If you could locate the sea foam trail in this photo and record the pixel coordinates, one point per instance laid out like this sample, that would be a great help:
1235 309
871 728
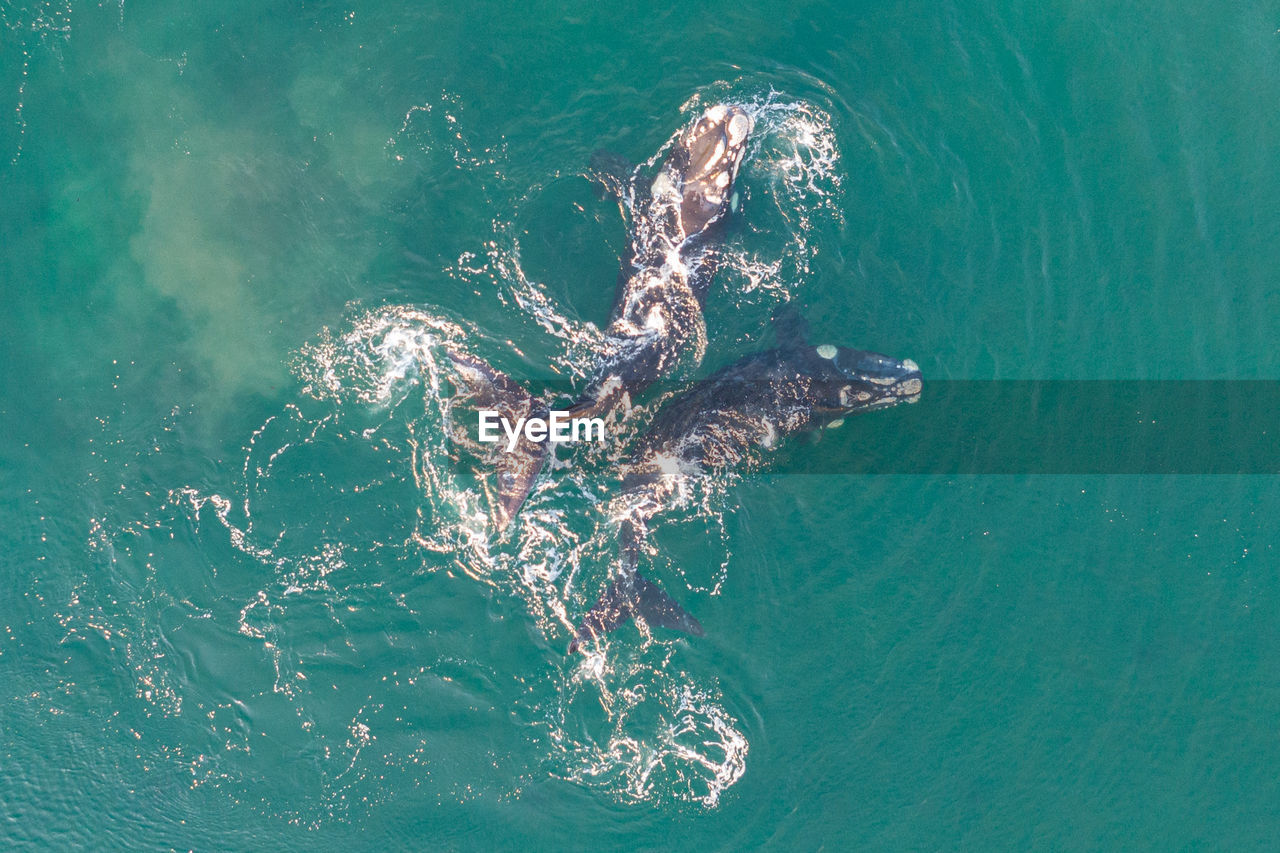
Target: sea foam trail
678 743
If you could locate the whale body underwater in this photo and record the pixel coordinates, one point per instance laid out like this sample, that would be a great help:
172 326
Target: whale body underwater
733 418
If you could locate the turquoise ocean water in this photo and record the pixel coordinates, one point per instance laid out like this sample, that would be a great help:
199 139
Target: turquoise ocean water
249 600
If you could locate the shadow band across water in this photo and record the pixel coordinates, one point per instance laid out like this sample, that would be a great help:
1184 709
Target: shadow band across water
1060 427
1051 427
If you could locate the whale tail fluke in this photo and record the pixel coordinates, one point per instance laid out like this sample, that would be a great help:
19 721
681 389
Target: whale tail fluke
516 470
630 595
626 599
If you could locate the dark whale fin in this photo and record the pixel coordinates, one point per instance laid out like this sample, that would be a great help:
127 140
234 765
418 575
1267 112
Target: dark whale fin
613 172
631 595
616 178
517 470
628 597
790 328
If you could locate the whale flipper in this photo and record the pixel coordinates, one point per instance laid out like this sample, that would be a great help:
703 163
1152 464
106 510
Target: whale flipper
628 597
613 172
517 470
789 327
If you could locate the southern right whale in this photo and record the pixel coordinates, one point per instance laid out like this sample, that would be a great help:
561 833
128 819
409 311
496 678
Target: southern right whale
732 419
656 322
657 310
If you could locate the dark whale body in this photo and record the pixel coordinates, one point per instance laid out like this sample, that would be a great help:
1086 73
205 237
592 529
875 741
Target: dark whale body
656 323
734 418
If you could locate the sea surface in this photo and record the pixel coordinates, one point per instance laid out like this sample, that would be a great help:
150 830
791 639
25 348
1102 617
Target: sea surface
250 598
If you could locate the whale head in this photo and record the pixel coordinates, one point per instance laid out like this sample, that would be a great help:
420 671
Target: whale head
704 166
849 381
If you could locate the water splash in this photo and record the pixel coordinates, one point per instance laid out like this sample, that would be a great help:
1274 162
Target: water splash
669 740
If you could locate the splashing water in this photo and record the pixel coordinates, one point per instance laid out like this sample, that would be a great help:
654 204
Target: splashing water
665 735
669 739
380 434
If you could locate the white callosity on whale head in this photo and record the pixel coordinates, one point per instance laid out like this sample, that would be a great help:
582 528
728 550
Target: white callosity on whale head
717 155
739 127
770 436
827 351
664 189
848 398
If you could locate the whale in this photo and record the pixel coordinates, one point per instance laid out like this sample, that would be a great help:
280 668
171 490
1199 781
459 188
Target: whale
657 311
656 324
732 420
